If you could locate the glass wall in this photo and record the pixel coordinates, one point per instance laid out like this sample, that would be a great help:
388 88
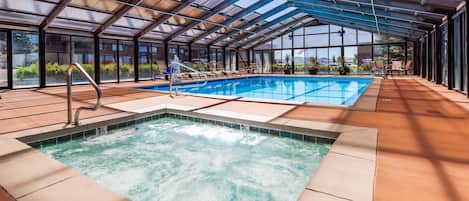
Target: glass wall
82 53
351 58
364 58
25 59
335 60
220 66
277 65
184 54
299 60
151 58
199 58
311 59
322 55
57 58
172 51
144 61
3 60
327 48
61 51
126 61
108 60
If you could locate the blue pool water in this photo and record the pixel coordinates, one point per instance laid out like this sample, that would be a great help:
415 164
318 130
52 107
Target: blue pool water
171 159
323 90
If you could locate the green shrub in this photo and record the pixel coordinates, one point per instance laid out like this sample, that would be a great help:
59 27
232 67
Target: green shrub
24 72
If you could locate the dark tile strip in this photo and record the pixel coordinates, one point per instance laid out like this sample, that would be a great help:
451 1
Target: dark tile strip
104 130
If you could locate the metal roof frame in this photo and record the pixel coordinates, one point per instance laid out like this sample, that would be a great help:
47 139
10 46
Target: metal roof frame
221 6
252 22
228 22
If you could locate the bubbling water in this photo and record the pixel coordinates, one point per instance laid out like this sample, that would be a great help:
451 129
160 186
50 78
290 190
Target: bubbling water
169 159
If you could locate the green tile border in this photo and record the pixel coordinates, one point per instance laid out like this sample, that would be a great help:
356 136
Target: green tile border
83 135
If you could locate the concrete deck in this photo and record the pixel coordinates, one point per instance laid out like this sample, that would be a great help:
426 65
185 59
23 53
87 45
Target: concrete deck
422 142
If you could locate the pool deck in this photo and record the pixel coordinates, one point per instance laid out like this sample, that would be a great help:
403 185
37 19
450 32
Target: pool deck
422 151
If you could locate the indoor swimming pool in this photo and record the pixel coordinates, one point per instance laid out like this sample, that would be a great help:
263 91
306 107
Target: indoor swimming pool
321 90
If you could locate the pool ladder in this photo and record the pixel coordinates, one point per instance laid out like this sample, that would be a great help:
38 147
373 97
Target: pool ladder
174 70
69 94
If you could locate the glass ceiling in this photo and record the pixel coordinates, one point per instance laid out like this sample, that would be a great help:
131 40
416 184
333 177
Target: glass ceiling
223 22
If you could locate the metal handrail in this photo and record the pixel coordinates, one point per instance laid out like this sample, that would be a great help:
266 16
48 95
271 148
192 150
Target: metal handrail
172 72
69 93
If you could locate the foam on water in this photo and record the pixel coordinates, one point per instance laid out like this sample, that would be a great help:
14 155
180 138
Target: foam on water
169 159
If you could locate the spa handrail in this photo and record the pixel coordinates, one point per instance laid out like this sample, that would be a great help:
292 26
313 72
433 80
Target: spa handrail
69 93
172 76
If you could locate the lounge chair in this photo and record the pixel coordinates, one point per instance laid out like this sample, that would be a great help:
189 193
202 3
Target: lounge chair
228 73
408 67
396 67
211 74
219 73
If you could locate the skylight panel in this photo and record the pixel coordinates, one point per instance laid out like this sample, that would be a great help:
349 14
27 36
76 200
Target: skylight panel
270 6
283 12
245 3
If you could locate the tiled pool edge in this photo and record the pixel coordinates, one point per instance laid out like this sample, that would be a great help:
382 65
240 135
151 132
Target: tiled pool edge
53 138
320 184
348 171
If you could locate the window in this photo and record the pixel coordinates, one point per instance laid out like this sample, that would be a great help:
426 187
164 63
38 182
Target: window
277 43
351 58
57 58
184 53
380 38
158 62
258 58
364 59
287 58
83 53
267 62
213 59
323 59
287 40
25 59
126 61
265 46
317 29
311 59
62 50
299 31
320 40
199 58
3 60
350 36
299 60
380 53
335 39
172 52
396 52
277 62
108 60
364 37
298 41
220 66
335 60
144 61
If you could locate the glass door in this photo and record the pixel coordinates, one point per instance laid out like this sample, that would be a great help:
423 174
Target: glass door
3 60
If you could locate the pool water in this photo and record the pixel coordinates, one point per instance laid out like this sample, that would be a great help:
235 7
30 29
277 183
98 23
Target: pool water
322 90
171 159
